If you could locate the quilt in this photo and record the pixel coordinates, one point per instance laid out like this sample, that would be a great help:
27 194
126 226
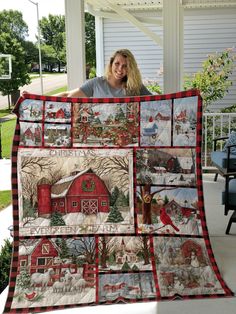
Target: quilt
108 203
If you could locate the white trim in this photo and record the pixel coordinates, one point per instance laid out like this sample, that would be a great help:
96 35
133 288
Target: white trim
115 16
173 45
75 43
99 46
129 17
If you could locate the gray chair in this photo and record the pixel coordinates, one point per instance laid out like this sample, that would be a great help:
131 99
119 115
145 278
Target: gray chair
229 198
224 161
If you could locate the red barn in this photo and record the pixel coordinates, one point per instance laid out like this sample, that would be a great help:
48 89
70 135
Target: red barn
38 255
29 134
56 114
83 192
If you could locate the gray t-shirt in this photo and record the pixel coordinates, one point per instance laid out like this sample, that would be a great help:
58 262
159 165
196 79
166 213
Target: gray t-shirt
99 87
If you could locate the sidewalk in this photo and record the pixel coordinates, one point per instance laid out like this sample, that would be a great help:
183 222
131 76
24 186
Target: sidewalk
6 218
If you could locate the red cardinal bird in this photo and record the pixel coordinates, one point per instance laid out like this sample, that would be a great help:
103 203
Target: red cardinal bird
166 220
30 296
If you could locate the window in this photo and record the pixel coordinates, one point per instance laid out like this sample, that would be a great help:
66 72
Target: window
54 204
45 248
41 261
61 204
74 204
23 263
104 203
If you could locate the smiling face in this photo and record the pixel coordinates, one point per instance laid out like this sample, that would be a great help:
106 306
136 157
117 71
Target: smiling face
119 67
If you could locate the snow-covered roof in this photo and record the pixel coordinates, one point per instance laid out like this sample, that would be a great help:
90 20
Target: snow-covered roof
61 187
28 247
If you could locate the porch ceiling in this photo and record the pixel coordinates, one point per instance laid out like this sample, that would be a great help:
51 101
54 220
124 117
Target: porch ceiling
149 5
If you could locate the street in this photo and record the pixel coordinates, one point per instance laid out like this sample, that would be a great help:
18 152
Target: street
50 82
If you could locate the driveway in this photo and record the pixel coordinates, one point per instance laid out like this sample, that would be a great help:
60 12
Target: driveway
50 82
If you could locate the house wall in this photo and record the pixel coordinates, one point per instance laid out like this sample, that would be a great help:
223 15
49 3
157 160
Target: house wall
205 31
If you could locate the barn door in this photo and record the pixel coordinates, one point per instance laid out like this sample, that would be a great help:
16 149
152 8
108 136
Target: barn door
89 207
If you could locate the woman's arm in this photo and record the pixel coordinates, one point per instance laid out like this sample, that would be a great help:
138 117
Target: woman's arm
77 92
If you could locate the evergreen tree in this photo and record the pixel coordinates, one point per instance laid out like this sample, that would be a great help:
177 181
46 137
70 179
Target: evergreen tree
120 116
121 199
126 267
166 200
57 219
114 215
114 196
135 267
64 250
23 280
5 262
112 258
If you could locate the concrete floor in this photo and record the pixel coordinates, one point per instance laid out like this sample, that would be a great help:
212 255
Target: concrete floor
224 249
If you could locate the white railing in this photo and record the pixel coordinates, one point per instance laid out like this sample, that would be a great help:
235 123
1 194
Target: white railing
215 125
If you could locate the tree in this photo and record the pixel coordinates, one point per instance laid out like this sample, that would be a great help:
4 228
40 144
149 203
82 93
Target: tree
12 33
90 39
5 262
114 196
114 215
11 22
105 247
85 247
64 250
57 219
125 267
31 53
53 35
23 280
144 248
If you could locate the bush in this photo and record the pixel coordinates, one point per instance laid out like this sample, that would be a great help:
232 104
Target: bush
5 263
213 80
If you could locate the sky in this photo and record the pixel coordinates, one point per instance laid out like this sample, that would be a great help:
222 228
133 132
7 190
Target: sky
29 11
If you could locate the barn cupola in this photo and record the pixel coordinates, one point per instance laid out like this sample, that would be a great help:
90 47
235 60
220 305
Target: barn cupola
44 198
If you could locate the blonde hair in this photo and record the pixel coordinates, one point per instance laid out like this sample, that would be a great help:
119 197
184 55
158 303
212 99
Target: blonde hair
133 81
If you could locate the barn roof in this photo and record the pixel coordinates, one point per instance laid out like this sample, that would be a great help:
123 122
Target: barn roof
28 247
61 187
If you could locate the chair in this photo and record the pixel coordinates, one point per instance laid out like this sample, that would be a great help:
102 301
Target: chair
224 161
229 198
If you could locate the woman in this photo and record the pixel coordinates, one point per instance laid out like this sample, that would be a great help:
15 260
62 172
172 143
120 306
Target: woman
122 78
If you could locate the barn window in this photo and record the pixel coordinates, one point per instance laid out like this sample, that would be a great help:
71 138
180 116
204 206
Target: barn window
74 204
54 204
23 263
61 204
45 248
104 203
41 261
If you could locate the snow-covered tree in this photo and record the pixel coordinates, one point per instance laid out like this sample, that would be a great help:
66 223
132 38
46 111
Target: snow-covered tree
115 215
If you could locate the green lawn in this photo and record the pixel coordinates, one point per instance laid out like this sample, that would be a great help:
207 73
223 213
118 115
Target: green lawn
4 112
7 133
5 199
56 91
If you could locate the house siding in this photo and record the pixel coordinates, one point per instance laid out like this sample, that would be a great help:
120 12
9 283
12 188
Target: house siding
122 34
205 31
208 31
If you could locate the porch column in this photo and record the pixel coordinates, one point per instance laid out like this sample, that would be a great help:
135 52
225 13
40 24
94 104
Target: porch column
99 46
75 43
172 45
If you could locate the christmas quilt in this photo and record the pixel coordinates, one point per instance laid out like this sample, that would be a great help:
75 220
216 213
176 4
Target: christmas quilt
108 203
